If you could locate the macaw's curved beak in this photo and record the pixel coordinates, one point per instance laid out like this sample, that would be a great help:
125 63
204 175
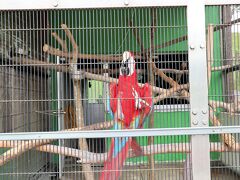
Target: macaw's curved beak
125 69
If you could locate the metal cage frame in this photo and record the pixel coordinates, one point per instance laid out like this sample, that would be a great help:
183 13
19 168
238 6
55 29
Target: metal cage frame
200 129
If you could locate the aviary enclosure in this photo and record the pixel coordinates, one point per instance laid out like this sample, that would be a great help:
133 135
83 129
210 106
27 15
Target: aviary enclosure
59 60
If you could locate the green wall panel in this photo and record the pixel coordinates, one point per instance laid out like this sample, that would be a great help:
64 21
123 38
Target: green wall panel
107 31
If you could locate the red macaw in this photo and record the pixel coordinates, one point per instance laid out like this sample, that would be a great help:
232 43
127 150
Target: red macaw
130 105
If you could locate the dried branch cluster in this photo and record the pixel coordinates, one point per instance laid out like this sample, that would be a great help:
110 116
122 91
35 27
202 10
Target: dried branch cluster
180 91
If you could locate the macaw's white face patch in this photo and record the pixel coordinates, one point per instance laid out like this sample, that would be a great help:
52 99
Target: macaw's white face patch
128 64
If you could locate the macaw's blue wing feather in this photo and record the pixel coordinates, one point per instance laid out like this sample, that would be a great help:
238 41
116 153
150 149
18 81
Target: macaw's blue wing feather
119 144
135 123
109 110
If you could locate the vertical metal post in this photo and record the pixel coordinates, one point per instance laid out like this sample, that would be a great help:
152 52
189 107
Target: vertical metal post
105 88
198 88
60 117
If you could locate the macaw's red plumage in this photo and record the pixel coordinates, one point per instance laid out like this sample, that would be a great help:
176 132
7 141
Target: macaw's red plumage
130 105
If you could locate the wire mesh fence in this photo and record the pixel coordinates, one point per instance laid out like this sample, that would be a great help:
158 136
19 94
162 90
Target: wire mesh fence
223 63
115 68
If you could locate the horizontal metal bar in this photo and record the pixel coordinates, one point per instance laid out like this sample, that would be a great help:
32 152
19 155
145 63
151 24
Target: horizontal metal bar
119 133
232 69
172 108
221 2
70 4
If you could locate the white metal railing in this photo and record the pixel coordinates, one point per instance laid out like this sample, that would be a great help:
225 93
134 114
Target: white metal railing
119 133
65 4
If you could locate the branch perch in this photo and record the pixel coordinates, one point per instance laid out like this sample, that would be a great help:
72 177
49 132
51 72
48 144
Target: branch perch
209 51
230 107
185 37
101 57
87 169
87 75
60 41
23 146
19 149
228 139
89 157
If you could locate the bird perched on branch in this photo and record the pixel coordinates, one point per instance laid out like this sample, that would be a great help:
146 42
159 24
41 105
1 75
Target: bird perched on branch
130 104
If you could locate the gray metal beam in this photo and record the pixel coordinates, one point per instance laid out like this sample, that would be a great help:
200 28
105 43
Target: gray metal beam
120 133
200 156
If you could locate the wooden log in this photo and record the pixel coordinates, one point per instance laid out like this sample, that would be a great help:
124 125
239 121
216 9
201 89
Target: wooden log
227 68
8 144
229 107
87 169
174 71
60 41
87 75
73 42
100 57
42 64
64 67
19 149
170 92
162 75
168 43
183 68
96 126
174 84
228 139
109 79
23 146
209 51
69 117
163 92
185 37
90 157
226 25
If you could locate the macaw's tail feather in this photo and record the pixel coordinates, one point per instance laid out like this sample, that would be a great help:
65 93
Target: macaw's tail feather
116 158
